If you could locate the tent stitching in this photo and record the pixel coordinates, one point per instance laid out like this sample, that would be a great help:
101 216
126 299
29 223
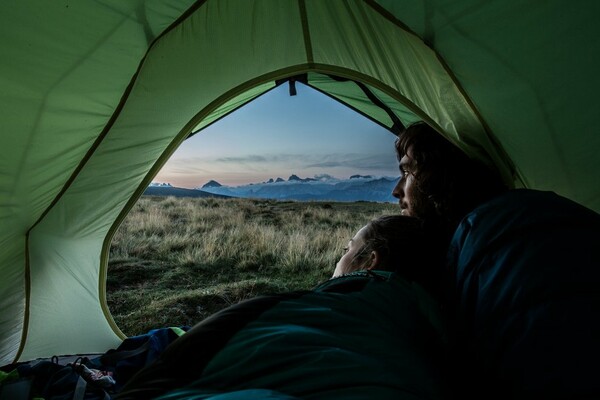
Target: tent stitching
306 32
351 107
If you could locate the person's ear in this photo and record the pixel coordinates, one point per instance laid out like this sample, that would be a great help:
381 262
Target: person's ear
374 260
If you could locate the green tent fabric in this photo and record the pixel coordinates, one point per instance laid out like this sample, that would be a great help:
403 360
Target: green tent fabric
96 95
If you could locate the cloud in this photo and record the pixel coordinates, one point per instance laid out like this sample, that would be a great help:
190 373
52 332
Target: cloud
187 170
331 160
355 161
268 158
251 158
325 177
346 160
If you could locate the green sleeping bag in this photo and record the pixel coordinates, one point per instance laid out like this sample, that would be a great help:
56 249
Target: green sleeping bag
366 335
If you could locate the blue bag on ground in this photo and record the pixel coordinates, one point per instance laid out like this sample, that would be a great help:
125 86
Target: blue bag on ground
136 352
87 379
52 381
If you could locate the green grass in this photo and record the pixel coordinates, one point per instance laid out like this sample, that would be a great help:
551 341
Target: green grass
175 261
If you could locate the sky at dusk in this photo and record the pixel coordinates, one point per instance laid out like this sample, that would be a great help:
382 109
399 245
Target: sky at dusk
278 135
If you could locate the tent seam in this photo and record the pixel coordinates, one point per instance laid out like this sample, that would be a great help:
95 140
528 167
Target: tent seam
43 106
229 113
497 145
115 114
397 125
390 17
356 110
104 254
358 76
306 32
25 330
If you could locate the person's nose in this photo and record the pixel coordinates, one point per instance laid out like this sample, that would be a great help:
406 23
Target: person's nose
398 191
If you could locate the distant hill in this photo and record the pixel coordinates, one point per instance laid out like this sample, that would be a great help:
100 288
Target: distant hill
211 184
178 192
296 178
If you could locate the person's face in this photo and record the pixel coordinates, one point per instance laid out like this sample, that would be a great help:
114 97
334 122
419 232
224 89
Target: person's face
345 265
405 191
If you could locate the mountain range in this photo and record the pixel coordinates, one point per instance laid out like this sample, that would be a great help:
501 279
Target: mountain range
319 188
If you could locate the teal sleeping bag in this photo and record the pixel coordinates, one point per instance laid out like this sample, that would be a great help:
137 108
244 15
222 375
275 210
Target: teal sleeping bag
367 335
527 269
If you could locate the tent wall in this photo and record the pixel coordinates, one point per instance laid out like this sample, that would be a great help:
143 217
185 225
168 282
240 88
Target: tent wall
531 69
64 69
97 95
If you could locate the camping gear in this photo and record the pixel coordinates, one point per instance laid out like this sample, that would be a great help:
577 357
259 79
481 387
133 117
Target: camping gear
99 377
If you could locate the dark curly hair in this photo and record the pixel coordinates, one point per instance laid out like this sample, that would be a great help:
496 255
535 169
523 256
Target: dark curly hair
451 183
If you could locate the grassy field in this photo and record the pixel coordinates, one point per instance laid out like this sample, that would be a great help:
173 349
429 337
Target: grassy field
174 261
